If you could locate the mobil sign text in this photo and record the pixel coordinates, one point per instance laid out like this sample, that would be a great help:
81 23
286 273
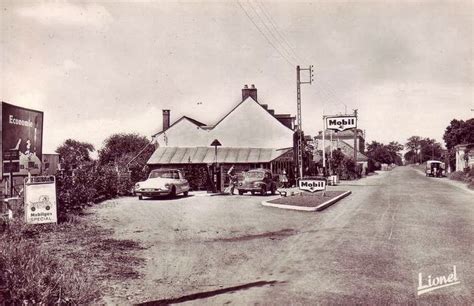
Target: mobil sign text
312 185
341 123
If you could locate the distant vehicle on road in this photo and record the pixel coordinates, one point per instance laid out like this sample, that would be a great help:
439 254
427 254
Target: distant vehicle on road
257 180
435 168
162 182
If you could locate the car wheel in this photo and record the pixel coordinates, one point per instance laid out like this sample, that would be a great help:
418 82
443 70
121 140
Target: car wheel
140 197
173 191
185 193
241 192
263 191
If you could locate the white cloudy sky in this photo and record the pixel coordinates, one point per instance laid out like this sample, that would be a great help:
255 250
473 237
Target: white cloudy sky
100 67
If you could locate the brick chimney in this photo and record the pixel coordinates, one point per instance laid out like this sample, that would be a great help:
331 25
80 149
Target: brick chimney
166 119
249 92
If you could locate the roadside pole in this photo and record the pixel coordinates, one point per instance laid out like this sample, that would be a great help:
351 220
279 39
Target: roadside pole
298 115
11 176
324 146
355 139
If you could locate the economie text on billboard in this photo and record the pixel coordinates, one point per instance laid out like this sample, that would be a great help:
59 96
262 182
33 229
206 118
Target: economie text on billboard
22 130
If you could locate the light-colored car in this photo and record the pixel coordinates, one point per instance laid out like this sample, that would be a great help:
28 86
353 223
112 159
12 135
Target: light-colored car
162 182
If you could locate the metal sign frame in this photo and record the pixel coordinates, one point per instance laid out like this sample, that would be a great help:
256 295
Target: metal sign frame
312 184
342 123
40 200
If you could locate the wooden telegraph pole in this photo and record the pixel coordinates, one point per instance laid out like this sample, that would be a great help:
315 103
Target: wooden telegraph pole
298 115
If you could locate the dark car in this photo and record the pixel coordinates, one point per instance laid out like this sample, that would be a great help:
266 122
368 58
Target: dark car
435 168
257 180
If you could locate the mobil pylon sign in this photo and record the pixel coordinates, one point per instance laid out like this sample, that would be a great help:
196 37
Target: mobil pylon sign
341 123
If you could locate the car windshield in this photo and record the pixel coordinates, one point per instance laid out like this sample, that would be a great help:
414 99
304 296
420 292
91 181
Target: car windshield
171 174
254 175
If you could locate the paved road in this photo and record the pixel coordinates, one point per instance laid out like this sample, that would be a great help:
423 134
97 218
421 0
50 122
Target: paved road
368 249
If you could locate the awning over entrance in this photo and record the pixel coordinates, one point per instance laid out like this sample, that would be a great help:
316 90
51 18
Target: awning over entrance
206 155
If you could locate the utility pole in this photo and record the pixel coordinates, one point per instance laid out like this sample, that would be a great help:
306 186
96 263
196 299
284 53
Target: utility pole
298 115
355 139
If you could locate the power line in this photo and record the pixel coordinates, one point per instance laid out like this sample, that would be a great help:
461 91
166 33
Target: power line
282 37
270 31
263 34
329 90
326 89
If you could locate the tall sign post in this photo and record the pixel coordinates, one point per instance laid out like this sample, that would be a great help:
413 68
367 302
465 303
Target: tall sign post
215 178
355 137
340 123
298 114
324 146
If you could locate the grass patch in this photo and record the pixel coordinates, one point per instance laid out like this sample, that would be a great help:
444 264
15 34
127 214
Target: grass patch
307 199
67 263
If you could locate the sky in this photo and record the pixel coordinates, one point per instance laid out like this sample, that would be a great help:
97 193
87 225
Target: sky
101 67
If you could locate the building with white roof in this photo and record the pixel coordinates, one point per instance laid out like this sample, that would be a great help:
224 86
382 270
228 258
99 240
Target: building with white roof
251 136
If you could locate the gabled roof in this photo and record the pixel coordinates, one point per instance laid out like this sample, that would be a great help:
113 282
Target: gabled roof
210 127
193 121
237 106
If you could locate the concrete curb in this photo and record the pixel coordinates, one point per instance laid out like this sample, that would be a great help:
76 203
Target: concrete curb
332 201
303 208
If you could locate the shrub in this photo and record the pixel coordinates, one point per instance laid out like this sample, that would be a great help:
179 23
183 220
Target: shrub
471 172
90 184
75 191
458 176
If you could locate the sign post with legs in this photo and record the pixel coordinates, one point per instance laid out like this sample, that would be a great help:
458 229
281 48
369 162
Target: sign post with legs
40 200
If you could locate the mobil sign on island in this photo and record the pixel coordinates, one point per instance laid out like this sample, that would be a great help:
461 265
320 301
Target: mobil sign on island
312 185
341 123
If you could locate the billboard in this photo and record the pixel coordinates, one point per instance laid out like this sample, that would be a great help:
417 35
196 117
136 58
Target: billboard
22 131
341 123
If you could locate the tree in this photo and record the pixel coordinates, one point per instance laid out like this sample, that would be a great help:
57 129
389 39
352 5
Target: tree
127 152
458 132
394 149
336 161
74 153
379 152
430 149
414 145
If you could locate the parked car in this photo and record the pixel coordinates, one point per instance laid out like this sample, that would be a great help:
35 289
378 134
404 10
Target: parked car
435 168
257 180
162 182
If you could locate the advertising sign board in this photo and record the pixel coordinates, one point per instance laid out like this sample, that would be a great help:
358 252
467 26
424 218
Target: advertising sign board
312 185
40 200
22 130
341 123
